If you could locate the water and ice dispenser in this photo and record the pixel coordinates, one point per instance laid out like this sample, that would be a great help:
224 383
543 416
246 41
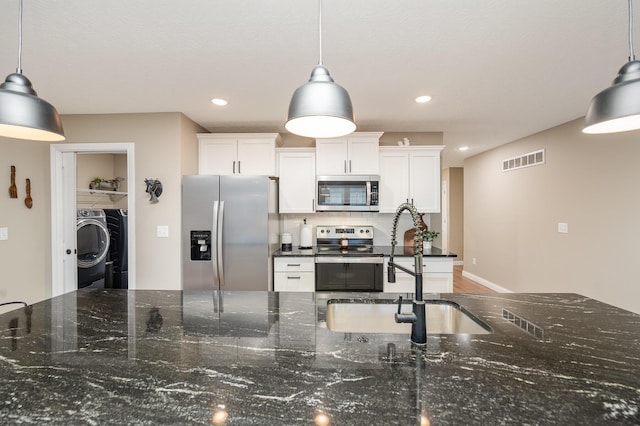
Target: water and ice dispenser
201 245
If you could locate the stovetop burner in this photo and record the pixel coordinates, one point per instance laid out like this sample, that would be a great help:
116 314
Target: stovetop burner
345 241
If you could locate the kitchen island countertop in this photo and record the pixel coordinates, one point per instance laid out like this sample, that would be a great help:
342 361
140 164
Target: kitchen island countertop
257 358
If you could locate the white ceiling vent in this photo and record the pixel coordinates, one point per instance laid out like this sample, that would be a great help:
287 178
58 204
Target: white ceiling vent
527 160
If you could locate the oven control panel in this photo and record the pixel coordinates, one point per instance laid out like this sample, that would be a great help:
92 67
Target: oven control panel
350 232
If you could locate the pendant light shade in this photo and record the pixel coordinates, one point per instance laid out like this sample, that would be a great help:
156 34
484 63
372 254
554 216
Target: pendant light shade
23 115
617 108
320 108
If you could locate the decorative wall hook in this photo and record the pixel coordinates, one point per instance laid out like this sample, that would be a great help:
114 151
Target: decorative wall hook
154 188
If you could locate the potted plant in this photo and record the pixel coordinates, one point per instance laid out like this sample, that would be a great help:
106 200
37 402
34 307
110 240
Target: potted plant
428 237
105 184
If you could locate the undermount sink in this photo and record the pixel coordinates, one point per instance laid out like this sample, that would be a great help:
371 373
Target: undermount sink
377 316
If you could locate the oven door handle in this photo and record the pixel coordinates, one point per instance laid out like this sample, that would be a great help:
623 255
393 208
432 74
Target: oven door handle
343 259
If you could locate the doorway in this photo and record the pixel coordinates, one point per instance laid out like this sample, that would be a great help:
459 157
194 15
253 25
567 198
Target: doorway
63 210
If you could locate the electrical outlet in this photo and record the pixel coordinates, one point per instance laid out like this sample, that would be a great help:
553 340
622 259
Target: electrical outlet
473 260
162 231
4 234
563 228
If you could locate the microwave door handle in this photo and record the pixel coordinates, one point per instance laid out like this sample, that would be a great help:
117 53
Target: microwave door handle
368 193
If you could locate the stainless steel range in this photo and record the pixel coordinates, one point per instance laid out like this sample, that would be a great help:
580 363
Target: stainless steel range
346 259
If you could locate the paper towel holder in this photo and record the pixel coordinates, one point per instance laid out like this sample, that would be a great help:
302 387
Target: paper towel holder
305 236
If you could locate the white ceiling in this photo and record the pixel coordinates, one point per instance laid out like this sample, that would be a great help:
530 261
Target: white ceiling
498 70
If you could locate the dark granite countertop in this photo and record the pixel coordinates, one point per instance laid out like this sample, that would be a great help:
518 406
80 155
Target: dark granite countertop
401 251
264 358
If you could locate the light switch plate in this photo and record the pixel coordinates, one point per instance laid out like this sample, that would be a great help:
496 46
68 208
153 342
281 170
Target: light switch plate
563 228
4 234
162 231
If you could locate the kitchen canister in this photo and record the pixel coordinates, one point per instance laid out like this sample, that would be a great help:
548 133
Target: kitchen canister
305 236
286 242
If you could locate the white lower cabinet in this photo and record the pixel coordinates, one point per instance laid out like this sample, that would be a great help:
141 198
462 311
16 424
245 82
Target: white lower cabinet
294 274
437 275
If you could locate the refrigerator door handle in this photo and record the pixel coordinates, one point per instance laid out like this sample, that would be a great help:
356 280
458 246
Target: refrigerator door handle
214 239
219 243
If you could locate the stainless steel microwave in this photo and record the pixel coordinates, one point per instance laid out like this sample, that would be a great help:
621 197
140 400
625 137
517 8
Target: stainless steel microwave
352 193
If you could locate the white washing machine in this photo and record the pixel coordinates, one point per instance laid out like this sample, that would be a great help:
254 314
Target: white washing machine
93 246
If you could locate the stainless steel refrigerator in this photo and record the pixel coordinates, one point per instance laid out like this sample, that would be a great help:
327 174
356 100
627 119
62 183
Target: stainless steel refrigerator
230 228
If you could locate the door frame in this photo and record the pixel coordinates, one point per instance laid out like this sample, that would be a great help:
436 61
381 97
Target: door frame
60 285
444 209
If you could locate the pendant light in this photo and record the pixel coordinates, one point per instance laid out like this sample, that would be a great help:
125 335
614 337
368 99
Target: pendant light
320 108
617 108
23 115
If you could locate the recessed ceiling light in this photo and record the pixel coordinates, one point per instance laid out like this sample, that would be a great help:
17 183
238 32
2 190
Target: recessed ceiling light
463 148
219 102
423 99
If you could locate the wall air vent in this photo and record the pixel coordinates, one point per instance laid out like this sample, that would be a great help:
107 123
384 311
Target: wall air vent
535 158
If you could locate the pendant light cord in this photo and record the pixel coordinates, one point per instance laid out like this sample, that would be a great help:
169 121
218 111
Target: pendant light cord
19 69
320 31
632 55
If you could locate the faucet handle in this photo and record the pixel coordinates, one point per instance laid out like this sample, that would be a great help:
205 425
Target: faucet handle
404 318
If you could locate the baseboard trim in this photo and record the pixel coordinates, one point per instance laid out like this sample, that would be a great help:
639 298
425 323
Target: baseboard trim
486 283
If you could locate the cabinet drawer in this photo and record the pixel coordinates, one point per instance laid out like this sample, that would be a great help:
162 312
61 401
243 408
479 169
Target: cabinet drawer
294 264
294 281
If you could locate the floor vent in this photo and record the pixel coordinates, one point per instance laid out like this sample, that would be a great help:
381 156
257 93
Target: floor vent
527 160
534 330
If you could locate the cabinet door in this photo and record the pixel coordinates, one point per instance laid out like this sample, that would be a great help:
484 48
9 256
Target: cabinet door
256 157
363 156
297 182
424 181
438 283
331 156
394 180
217 157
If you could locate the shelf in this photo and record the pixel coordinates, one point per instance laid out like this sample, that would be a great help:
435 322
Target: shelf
113 195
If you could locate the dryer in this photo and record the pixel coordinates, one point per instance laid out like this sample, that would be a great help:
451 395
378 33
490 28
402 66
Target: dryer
93 246
118 247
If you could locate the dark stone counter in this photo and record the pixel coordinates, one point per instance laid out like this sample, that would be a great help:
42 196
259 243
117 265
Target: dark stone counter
401 251
259 358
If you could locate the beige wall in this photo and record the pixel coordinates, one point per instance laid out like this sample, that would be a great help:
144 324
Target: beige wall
453 177
165 148
106 166
589 182
387 139
164 144
25 265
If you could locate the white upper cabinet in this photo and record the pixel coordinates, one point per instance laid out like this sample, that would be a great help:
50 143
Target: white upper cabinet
237 153
410 174
394 179
297 177
356 154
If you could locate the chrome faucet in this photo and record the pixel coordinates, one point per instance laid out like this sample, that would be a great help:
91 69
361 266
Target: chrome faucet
417 317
